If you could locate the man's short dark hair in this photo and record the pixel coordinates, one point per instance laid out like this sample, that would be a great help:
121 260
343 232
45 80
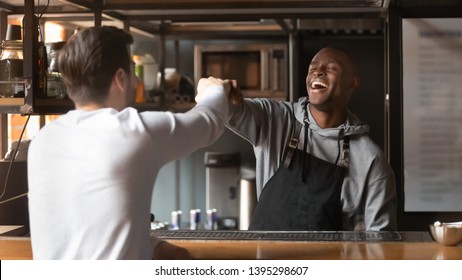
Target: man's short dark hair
90 59
352 62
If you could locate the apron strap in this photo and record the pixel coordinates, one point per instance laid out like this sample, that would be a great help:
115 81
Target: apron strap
293 143
345 157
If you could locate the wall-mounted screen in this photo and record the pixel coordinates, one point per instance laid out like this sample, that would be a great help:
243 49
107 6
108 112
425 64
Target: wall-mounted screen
432 114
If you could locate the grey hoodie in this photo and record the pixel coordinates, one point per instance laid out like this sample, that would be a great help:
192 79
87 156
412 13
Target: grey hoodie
368 193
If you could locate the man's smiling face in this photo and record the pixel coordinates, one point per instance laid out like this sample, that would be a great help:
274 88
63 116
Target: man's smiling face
331 79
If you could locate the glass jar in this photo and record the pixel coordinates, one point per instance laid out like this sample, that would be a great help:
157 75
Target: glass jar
11 68
55 83
53 56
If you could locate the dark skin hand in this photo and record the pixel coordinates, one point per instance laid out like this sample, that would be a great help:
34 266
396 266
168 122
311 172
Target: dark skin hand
235 95
168 251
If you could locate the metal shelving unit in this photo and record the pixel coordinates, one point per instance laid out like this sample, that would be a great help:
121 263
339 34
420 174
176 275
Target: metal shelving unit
173 19
31 68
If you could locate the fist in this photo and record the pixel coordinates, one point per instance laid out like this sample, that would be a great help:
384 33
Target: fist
235 95
211 81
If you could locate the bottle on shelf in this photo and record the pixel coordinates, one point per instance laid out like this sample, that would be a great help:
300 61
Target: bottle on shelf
139 72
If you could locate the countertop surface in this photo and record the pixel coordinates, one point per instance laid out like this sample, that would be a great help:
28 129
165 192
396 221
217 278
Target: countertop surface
353 246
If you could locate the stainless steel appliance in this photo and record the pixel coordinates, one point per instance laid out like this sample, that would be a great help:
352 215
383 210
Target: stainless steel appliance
222 177
259 68
247 202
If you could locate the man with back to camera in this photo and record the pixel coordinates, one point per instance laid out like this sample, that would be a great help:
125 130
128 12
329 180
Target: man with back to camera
91 172
337 179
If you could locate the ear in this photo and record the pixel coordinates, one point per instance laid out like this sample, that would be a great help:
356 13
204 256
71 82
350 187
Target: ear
119 80
354 84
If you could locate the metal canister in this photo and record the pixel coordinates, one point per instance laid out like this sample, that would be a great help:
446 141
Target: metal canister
179 213
195 219
247 202
192 219
198 219
176 220
212 219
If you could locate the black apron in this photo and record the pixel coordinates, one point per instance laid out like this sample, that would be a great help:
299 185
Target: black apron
303 194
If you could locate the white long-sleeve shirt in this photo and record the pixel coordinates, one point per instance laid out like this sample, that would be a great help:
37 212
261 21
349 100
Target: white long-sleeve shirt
91 176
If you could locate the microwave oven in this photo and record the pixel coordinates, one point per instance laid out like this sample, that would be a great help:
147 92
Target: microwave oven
259 68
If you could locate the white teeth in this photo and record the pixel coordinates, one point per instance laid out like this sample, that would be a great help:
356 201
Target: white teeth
317 83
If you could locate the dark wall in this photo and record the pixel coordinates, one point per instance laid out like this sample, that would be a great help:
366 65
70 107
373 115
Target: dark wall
368 50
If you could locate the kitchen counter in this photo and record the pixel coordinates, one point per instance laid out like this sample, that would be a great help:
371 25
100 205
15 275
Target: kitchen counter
15 248
410 246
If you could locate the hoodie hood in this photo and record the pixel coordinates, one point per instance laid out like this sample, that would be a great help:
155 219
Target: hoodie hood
352 125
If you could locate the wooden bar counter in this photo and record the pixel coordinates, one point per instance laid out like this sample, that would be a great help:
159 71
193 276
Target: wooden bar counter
413 246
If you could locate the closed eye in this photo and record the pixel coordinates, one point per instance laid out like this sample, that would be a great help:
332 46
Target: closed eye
332 67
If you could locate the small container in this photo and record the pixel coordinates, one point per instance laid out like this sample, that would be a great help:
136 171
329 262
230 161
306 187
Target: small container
192 219
446 234
179 213
150 70
176 220
198 217
11 68
212 219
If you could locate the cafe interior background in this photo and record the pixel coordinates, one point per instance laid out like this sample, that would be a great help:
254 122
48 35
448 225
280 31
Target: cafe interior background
171 40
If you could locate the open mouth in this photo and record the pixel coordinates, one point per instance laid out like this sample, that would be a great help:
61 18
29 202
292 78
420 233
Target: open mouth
318 85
